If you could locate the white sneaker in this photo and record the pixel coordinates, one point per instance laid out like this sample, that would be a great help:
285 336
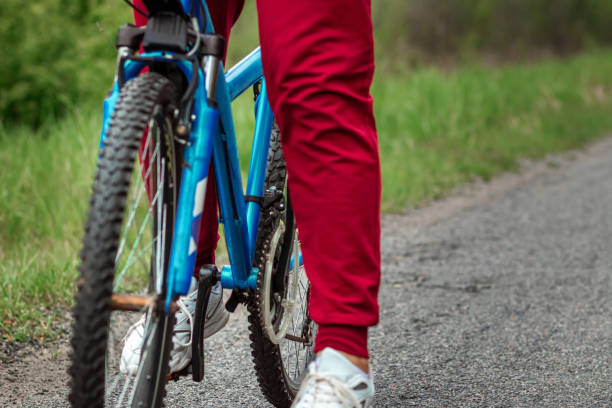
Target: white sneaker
334 382
180 355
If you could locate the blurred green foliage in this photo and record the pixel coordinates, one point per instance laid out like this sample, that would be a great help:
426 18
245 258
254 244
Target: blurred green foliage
56 55
59 53
500 29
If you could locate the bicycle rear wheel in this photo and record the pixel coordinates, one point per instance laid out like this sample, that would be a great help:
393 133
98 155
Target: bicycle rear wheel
126 248
282 333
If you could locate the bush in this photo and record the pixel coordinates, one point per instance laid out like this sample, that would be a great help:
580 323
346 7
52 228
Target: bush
55 55
60 53
505 29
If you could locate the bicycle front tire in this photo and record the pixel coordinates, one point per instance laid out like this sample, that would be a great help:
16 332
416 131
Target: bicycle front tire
126 248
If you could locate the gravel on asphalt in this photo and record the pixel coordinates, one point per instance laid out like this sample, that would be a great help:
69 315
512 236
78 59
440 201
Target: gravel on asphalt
504 300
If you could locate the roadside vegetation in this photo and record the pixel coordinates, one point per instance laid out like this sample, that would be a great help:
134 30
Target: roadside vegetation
442 128
440 125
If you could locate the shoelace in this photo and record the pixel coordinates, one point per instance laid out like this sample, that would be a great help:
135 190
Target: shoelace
326 389
187 313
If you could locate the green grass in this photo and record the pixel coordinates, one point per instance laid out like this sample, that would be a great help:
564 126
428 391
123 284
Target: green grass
45 184
437 130
44 187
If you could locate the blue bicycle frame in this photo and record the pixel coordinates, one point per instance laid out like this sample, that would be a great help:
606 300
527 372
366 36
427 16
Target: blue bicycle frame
213 137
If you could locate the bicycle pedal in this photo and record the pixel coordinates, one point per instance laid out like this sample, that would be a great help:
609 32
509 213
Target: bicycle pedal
209 275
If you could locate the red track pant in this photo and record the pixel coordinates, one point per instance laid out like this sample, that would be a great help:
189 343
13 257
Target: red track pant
318 59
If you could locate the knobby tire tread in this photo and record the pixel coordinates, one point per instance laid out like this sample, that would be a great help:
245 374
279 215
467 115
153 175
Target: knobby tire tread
266 355
100 244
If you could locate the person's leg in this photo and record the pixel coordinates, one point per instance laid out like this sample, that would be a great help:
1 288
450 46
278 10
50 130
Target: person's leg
318 61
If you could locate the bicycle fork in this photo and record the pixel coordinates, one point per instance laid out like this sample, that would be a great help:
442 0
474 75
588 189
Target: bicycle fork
191 201
198 153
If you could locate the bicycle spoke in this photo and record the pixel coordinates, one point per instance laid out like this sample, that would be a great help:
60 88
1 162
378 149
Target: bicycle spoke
138 237
138 255
159 273
139 180
293 355
161 226
138 250
135 204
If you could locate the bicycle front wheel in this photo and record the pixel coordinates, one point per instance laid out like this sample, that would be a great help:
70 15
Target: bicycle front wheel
126 247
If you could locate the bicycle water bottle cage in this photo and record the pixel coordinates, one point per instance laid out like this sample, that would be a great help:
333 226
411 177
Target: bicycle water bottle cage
166 31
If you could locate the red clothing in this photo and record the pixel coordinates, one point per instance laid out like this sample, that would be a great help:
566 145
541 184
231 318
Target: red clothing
318 59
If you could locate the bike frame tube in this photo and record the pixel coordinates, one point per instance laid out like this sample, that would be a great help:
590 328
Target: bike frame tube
257 169
240 220
244 74
239 78
193 180
229 187
204 21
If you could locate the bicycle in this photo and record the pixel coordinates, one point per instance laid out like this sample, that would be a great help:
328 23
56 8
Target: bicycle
160 131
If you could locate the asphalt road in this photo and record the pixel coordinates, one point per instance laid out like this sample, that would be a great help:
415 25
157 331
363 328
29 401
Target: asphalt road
505 303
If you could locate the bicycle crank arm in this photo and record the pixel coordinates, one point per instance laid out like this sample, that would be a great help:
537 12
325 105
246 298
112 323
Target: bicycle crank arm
209 276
